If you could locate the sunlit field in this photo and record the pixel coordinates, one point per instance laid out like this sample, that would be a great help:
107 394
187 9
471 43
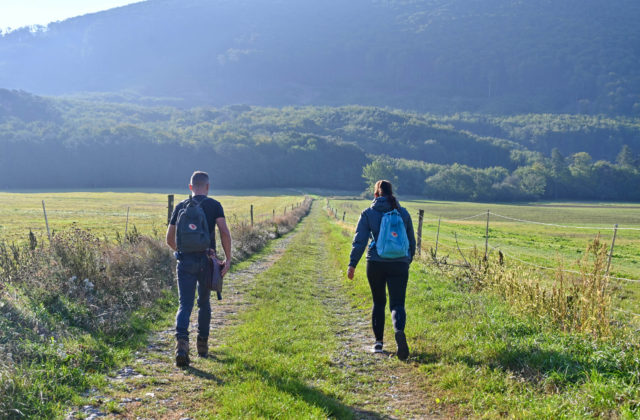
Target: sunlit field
105 213
560 241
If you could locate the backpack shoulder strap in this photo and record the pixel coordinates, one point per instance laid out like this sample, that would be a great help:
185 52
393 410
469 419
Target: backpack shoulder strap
192 202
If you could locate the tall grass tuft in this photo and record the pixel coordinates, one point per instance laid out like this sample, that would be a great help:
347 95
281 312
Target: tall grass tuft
87 282
576 302
89 291
249 239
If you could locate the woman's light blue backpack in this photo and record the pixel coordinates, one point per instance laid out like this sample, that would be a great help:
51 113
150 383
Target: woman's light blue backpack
392 240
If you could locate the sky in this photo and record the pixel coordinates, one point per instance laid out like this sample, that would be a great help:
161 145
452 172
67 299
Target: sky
17 13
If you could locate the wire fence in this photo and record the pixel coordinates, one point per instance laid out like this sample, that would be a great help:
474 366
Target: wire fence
236 215
561 226
484 244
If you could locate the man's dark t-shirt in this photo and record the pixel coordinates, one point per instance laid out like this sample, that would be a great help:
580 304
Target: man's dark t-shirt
212 209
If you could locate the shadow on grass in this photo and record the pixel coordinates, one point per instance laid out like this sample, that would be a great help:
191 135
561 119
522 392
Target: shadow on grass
534 364
295 387
204 375
423 357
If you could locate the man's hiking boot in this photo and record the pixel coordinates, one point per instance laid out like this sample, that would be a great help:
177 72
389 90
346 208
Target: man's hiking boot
403 348
203 346
377 348
182 353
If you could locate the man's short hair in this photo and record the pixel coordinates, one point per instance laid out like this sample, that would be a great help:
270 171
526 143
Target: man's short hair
199 179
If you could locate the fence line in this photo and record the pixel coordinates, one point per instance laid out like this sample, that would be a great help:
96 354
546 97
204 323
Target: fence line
511 255
464 238
455 247
556 225
626 312
484 213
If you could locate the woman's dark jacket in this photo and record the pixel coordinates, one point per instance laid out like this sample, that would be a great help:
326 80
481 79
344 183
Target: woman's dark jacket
370 223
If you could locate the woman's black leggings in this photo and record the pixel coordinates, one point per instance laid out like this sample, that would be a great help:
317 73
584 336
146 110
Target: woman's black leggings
393 275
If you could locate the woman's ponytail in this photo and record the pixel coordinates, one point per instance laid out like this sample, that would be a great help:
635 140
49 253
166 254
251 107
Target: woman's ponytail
385 189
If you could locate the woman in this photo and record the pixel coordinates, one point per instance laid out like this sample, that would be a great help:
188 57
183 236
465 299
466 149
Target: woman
384 272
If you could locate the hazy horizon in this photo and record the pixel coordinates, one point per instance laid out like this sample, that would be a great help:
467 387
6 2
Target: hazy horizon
28 13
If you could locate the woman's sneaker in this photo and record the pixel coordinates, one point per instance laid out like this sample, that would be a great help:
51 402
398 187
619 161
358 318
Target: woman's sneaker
377 348
403 348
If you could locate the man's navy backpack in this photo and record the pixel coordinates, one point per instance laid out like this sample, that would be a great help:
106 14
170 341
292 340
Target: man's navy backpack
192 229
392 240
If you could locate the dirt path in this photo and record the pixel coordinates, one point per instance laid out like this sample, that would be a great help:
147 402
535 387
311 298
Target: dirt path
152 387
400 397
147 388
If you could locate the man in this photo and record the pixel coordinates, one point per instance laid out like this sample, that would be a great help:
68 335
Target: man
192 267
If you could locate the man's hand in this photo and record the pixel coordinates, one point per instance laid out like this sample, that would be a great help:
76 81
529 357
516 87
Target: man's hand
226 266
171 237
225 238
350 272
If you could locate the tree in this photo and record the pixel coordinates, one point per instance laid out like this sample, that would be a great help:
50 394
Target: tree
559 174
457 182
377 170
532 180
626 158
581 165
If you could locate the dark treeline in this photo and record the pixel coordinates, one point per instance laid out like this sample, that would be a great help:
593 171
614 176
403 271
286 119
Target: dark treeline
57 143
576 177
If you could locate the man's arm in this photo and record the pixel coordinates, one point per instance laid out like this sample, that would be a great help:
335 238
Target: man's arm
225 238
171 237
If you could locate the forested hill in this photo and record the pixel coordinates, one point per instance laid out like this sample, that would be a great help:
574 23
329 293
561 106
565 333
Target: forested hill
487 56
61 143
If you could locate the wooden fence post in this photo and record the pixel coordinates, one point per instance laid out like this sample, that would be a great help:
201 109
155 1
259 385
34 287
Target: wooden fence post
613 243
486 239
169 208
419 241
46 221
437 239
252 215
126 225
273 215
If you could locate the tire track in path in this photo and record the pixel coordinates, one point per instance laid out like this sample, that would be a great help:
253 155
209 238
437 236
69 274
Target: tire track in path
152 387
376 386
390 388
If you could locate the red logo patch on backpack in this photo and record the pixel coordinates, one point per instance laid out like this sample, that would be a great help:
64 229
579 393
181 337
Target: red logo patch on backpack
394 234
193 227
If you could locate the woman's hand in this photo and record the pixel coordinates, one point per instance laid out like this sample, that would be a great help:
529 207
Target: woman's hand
350 272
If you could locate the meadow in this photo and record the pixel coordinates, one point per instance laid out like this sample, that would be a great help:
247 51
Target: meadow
104 213
558 237
475 354
76 307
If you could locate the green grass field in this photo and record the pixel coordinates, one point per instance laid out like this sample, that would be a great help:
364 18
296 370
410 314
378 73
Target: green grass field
475 355
292 346
529 244
104 213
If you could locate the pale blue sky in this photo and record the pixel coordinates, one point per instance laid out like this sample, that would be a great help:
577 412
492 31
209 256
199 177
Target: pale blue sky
18 13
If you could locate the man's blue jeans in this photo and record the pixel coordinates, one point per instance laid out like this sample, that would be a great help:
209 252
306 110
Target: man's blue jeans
191 270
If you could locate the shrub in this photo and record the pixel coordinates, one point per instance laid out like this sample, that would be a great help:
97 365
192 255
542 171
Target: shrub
88 290
576 302
249 239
